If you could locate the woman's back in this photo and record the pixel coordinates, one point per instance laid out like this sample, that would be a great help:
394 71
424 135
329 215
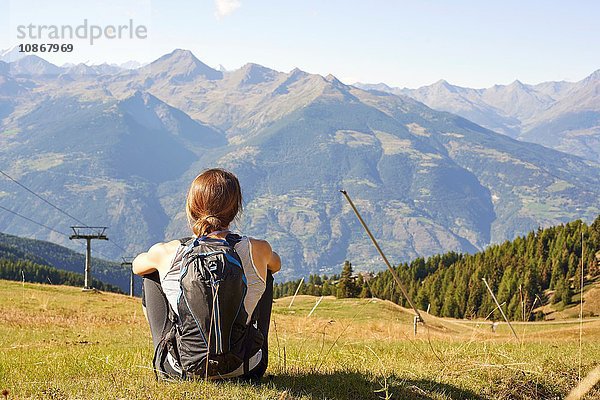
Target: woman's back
255 275
213 202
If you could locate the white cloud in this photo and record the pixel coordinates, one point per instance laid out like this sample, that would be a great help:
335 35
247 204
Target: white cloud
226 7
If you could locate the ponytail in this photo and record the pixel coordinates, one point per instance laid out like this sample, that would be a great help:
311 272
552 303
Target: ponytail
213 201
206 225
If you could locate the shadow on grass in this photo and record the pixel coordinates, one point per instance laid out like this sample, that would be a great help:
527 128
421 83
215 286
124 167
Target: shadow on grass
351 385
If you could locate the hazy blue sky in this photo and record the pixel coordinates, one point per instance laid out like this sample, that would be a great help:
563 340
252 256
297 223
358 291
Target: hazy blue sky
402 43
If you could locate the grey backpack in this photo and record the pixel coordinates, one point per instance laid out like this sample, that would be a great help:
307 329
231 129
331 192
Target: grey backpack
211 336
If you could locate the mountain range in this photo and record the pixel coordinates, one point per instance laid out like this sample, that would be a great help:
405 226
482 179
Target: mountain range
562 115
119 148
13 54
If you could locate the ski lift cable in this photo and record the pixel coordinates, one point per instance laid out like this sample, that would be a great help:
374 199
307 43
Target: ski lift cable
43 199
32 221
55 207
47 227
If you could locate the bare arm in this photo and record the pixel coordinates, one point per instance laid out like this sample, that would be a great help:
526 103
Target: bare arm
157 258
265 259
274 265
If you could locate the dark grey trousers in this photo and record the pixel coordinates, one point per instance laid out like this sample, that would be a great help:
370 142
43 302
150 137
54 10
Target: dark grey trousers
157 310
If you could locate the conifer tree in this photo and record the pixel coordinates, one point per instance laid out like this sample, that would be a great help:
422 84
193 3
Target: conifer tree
346 286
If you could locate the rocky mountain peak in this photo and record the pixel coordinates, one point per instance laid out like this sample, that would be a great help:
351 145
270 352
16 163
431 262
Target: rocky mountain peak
33 65
182 65
251 74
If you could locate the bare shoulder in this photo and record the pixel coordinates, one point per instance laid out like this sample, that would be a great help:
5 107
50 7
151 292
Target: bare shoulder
165 248
158 257
264 256
163 252
261 247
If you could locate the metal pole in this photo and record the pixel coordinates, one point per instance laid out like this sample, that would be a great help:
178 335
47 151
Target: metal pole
392 270
88 264
83 232
127 263
131 284
500 308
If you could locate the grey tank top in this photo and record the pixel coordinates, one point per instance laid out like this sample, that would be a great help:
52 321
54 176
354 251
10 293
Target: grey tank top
256 284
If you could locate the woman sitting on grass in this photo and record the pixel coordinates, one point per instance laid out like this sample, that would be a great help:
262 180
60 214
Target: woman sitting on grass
208 298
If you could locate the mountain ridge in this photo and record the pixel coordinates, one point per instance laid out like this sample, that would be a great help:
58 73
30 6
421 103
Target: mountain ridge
426 181
562 115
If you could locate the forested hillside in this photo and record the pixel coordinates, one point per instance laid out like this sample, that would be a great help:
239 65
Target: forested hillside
28 271
41 254
539 268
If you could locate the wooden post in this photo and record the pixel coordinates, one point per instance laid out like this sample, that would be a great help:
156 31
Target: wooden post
296 293
315 307
500 308
390 268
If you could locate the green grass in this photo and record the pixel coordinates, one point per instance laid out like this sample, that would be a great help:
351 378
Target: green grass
60 343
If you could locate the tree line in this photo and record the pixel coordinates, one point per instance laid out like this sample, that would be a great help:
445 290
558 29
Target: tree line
52 255
18 270
541 267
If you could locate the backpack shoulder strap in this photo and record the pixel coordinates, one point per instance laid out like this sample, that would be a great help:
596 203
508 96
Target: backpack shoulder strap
230 240
233 239
184 241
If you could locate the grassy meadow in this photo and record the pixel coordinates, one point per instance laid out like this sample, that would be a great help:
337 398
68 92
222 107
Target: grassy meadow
59 343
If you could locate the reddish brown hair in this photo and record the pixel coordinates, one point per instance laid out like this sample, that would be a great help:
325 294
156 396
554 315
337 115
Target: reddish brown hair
213 201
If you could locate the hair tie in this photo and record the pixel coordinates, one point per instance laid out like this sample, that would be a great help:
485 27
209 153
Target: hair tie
211 216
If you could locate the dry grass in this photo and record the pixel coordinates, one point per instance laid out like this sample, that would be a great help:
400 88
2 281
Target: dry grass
60 343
